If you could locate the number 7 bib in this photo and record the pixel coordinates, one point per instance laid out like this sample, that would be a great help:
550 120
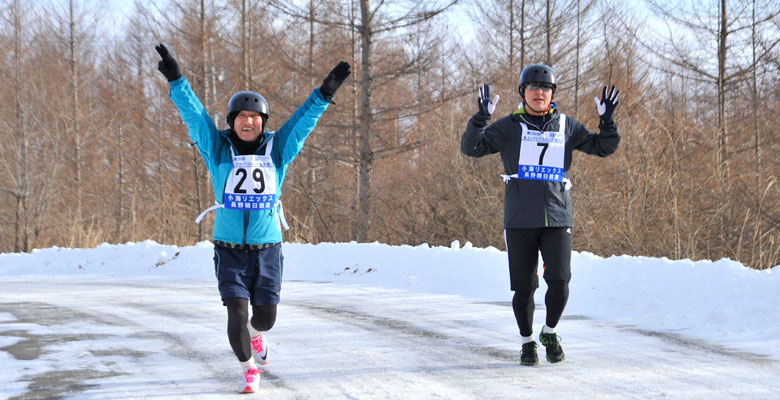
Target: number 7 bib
252 182
541 153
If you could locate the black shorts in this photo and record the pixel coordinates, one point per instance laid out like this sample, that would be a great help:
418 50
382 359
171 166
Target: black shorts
249 273
523 246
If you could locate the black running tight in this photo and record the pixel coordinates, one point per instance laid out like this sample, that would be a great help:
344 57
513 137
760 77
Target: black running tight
263 319
555 300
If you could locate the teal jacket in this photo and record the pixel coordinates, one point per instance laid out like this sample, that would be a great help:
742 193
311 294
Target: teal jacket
244 226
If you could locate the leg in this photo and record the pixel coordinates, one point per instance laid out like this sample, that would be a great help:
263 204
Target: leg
238 334
523 306
267 286
556 252
265 297
523 252
234 274
263 317
555 299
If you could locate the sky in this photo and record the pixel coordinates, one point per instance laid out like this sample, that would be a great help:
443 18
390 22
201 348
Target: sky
144 320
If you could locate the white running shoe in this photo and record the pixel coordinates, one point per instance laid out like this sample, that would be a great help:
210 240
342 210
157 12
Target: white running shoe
251 382
259 349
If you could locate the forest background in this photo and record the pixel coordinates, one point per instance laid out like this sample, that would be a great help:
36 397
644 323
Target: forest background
92 149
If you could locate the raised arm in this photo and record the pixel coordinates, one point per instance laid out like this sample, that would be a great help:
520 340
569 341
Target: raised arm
200 126
290 137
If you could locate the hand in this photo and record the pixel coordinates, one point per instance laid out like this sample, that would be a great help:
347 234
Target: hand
486 106
168 65
606 106
333 81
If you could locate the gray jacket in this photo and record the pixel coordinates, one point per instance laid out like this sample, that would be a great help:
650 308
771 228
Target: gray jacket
535 203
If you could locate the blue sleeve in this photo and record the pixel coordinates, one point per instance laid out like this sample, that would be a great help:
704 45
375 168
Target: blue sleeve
288 140
199 124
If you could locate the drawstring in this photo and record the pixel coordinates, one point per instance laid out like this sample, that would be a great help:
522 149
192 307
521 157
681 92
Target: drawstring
280 214
203 214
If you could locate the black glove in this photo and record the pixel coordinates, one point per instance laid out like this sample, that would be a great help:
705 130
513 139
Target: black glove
333 81
168 65
607 105
486 105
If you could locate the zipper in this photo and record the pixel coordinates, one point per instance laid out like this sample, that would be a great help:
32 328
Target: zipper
544 190
246 225
546 219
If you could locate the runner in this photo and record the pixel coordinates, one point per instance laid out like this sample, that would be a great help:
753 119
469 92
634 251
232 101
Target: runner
247 166
536 144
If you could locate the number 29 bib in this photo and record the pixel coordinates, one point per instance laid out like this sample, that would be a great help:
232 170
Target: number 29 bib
252 182
542 153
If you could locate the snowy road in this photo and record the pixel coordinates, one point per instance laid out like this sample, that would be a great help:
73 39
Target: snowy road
115 338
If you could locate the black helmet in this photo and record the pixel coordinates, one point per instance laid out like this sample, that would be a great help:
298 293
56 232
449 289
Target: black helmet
537 73
246 101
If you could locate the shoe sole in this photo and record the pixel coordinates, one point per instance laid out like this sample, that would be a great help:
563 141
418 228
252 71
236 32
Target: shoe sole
555 362
247 390
529 364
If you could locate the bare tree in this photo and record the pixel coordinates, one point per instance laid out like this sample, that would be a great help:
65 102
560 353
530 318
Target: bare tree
726 69
502 38
75 119
695 175
382 24
18 171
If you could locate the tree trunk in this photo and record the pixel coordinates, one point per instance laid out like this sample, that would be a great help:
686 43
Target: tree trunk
511 38
75 129
364 143
311 42
722 123
245 43
522 35
21 241
162 225
548 33
577 63
119 188
722 140
757 232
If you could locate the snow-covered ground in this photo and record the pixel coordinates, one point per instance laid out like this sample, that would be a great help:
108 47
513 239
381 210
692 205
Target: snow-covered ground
361 321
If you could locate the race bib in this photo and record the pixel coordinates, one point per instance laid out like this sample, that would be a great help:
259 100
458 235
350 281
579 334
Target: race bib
542 153
252 181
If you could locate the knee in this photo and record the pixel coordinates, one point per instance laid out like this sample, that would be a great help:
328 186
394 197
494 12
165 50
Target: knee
263 317
558 289
263 323
523 297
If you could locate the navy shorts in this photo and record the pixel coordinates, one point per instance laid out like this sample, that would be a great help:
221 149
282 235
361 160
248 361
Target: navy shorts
523 246
249 274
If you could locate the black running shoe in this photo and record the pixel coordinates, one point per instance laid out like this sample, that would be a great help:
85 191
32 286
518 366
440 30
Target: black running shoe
552 345
528 356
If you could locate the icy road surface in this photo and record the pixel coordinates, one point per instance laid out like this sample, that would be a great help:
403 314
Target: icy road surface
103 337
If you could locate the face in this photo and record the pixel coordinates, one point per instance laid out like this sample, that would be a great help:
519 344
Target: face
538 97
248 125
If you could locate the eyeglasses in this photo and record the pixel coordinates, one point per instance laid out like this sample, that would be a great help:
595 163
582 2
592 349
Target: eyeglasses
546 87
248 115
